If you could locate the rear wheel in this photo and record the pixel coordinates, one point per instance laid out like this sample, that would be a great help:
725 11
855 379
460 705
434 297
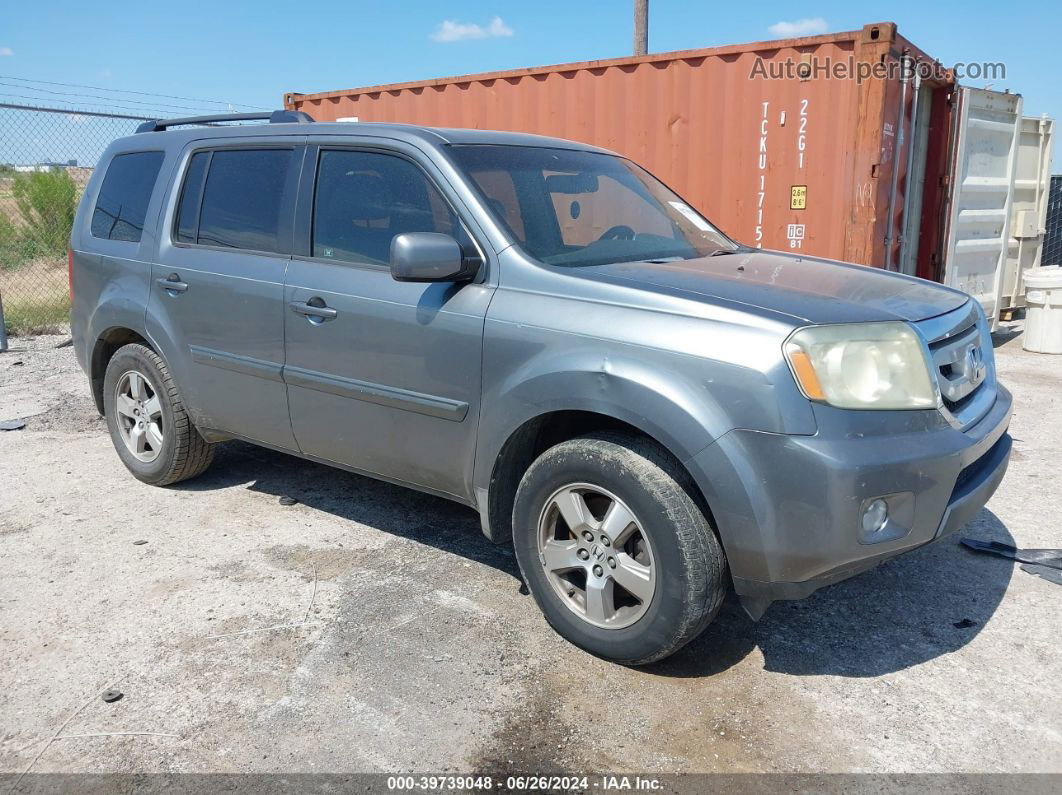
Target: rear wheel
615 550
149 426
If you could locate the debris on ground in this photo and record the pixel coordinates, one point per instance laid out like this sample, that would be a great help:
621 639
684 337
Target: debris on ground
1043 563
1044 572
288 501
12 425
1052 558
111 695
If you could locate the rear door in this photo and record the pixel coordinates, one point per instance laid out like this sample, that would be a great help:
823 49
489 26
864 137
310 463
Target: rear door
384 377
217 292
982 190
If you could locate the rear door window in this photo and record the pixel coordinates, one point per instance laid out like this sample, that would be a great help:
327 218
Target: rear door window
123 199
242 199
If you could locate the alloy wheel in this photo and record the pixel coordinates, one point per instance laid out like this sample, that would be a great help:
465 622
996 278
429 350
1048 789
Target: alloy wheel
597 556
139 416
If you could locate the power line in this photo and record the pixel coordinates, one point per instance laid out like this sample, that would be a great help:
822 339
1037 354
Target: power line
77 107
130 91
69 111
98 96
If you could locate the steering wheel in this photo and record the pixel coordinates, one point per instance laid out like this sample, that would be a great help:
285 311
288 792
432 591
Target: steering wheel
619 232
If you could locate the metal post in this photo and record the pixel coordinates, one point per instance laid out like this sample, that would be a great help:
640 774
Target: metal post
3 327
641 27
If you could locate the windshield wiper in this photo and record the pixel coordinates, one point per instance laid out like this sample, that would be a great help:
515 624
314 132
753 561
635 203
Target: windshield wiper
721 251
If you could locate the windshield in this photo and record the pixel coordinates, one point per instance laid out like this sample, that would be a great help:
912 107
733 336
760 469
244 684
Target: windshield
576 208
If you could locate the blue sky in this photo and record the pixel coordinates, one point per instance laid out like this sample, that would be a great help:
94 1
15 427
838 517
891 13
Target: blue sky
252 53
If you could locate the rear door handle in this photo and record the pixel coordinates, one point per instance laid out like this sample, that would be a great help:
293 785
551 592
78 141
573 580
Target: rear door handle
317 313
172 283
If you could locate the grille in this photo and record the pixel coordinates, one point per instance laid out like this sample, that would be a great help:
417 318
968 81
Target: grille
961 364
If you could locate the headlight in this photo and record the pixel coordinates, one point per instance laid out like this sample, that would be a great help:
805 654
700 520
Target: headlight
862 366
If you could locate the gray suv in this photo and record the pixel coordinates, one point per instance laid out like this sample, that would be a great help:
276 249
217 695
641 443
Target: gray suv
539 329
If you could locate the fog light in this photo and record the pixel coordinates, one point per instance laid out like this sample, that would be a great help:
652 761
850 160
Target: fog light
875 516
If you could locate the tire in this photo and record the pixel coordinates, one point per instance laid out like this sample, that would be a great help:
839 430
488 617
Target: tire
685 561
172 450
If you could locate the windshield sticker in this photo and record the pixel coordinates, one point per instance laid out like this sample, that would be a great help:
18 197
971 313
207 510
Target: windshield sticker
692 216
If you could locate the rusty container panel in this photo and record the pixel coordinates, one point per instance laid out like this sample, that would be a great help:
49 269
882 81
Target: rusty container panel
802 163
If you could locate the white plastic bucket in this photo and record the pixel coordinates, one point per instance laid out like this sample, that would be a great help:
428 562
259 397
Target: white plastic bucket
1043 316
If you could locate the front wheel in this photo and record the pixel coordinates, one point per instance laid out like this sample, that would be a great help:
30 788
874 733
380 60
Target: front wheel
151 431
618 555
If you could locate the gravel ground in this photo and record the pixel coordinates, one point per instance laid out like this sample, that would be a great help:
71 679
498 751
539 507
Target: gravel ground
421 653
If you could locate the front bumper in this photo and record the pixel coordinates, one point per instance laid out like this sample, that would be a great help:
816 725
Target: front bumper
788 507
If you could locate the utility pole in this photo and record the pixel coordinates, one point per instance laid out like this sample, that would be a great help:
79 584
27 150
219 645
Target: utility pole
641 27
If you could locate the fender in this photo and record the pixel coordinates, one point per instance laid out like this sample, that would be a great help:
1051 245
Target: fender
120 305
672 401
672 409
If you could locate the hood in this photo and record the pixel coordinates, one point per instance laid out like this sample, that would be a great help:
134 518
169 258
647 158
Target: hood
807 289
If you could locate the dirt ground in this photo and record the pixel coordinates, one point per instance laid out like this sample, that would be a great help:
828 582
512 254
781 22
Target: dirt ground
422 654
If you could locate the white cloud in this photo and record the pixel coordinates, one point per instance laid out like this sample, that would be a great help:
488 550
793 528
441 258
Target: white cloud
810 26
6 51
449 30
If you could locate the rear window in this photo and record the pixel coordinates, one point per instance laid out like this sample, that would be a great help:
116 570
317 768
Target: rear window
123 199
241 199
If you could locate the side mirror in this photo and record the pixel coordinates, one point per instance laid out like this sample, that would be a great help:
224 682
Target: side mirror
430 257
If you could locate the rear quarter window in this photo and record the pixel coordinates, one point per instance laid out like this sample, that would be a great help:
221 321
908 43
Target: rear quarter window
121 205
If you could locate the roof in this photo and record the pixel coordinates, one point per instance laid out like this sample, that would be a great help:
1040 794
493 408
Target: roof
410 133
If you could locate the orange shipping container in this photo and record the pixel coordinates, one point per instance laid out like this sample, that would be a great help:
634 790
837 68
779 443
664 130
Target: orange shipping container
802 144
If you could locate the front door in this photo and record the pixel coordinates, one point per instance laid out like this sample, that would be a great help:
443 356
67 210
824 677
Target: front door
217 289
383 376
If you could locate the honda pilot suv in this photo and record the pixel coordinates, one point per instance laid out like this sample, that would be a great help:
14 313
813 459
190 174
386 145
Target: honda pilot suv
541 330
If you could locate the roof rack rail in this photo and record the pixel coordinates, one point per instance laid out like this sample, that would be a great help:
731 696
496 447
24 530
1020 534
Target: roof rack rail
274 117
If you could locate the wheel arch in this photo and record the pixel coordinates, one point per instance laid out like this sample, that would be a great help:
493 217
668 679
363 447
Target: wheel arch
593 401
107 343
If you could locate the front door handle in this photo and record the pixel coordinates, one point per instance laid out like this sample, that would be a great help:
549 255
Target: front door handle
314 310
172 283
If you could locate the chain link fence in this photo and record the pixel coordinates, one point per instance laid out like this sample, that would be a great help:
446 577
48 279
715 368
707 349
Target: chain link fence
1052 251
46 159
